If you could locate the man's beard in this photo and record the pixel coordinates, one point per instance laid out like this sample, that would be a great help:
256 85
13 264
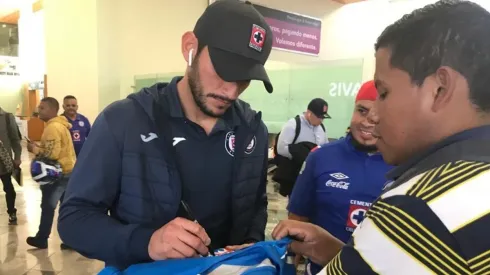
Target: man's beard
362 147
198 94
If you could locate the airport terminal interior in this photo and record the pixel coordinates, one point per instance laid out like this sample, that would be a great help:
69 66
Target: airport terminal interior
101 51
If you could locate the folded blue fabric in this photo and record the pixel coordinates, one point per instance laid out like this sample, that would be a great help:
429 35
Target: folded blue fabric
264 258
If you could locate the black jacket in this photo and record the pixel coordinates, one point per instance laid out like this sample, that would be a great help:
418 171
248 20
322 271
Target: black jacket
140 186
288 169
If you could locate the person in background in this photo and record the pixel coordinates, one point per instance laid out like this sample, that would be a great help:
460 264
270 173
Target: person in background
432 120
10 140
341 179
293 144
190 144
80 126
56 144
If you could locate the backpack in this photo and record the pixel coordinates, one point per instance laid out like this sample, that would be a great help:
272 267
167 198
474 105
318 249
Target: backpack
262 258
296 133
7 121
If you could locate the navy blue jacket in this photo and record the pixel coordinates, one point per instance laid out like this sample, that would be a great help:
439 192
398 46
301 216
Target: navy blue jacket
123 189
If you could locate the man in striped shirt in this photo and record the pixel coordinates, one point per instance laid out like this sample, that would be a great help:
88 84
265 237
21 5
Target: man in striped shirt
432 119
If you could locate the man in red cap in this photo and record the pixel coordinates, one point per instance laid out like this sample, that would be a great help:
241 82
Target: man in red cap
341 179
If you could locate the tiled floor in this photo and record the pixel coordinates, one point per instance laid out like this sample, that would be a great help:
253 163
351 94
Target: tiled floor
18 258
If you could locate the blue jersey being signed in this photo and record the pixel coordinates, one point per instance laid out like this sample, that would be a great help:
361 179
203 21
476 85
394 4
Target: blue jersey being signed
336 187
263 258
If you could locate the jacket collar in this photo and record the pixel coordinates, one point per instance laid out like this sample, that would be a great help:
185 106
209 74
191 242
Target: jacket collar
475 133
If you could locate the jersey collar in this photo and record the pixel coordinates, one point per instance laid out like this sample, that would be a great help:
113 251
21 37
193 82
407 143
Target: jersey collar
475 133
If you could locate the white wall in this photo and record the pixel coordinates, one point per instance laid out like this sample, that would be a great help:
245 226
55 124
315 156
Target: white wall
151 36
352 30
109 52
31 47
72 52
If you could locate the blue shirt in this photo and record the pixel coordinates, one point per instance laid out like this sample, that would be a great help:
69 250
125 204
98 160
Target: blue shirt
336 187
79 131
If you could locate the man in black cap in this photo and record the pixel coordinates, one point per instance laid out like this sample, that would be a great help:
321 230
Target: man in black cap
298 136
317 111
181 166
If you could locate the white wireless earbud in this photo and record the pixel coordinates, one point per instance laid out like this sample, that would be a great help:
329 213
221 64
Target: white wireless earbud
189 60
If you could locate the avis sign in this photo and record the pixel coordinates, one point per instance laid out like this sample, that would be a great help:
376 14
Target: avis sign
348 89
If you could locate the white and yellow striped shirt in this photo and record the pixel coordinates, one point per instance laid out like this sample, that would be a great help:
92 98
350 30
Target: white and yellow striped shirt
438 222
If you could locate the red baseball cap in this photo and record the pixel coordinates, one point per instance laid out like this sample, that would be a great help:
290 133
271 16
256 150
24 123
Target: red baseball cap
367 91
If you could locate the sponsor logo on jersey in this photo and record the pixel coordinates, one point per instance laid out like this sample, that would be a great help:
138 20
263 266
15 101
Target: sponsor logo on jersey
338 181
357 212
339 176
338 184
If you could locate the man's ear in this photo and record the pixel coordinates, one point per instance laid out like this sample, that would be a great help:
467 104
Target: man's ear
446 87
189 47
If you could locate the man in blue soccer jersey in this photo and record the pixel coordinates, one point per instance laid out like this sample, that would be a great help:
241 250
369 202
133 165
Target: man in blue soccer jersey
80 124
341 179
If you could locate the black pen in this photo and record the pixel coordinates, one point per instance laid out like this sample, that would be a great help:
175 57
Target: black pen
191 217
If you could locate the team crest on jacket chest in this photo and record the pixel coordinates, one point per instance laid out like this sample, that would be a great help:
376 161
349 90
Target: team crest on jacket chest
230 144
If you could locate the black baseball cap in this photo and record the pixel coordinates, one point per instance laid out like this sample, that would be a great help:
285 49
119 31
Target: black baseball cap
319 108
238 39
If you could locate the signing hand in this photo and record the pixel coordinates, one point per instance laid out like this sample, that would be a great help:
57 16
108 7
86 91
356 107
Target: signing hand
310 240
180 238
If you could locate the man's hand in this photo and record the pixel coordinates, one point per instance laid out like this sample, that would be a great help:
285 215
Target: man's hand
17 162
238 247
180 238
309 240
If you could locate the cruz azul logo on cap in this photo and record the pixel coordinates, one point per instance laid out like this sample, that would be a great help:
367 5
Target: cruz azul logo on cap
257 38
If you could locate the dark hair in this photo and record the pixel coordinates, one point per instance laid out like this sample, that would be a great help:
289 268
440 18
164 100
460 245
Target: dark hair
52 102
69 97
451 33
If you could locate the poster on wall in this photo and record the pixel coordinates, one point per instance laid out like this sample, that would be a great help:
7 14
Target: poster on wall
292 32
9 66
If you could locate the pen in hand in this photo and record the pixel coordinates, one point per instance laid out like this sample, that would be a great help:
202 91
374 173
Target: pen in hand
191 217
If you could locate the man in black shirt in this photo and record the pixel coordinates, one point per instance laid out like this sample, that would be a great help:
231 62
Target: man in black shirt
188 142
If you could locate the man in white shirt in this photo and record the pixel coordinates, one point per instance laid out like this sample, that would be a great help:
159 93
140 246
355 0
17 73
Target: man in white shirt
311 128
298 136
